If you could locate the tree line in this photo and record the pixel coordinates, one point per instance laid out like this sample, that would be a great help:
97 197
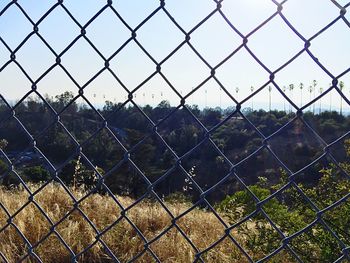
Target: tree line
151 151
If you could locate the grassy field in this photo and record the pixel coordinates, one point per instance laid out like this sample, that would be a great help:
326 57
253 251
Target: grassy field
202 227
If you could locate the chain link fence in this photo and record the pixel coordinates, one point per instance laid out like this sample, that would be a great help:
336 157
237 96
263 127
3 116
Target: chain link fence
102 125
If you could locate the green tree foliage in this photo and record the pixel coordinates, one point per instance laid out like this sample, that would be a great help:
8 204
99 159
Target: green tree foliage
36 174
292 213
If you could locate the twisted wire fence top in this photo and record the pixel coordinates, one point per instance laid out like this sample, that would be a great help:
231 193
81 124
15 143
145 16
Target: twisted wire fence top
103 125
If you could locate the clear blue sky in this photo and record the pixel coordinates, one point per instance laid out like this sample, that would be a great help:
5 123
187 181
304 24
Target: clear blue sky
274 44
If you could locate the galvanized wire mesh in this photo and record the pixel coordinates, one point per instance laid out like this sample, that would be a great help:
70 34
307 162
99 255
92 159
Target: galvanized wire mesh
103 124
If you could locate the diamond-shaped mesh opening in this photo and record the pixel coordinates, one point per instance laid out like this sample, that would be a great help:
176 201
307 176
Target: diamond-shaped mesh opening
174 186
177 247
15 83
266 122
316 244
56 144
275 52
212 96
131 130
150 218
37 11
12 245
32 169
181 127
47 86
236 201
152 157
288 210
302 145
3 217
338 221
330 187
132 58
260 165
247 15
329 126
322 47
236 73
189 66
105 91
126 180
202 227
308 12
107 39
34 114
226 247
103 150
92 7
97 213
80 119
4 54
132 13
223 40
340 149
294 74
58 24
190 16
19 29
52 243
129 242
76 231
17 139
157 93
55 201
35 57
32 223
257 230
89 60
215 165
154 38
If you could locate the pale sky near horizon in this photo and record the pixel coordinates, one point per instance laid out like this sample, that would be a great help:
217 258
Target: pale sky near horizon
274 44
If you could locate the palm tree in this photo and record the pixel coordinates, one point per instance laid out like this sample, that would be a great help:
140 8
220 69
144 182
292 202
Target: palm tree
206 98
291 87
314 83
284 101
341 86
320 109
310 89
330 99
252 90
270 98
301 86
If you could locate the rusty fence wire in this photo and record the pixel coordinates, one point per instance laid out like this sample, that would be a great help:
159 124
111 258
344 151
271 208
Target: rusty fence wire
103 124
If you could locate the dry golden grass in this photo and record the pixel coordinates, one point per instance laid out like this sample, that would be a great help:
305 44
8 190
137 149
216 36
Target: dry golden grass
201 227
